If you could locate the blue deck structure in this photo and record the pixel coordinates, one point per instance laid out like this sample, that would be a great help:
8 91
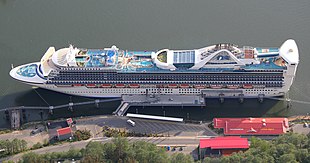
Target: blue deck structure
140 61
265 50
28 71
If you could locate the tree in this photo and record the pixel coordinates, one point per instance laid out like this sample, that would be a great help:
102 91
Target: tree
288 158
8 161
180 157
302 155
24 145
82 134
298 140
12 147
9 147
214 160
260 144
94 152
37 145
109 150
155 157
141 150
3 148
73 153
281 149
32 157
147 152
121 149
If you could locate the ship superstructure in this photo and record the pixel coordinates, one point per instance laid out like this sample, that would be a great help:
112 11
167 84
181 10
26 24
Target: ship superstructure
213 71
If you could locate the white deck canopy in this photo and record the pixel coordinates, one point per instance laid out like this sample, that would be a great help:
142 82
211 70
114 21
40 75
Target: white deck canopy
289 52
46 69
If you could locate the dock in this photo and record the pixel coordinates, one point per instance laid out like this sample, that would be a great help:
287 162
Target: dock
158 100
15 119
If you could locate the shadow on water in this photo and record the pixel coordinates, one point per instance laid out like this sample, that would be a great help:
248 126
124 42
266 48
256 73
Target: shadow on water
230 108
54 98
3 2
42 97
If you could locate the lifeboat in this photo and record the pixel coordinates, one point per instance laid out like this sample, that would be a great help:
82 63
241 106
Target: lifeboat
259 86
165 85
184 85
199 86
134 85
64 85
91 85
106 85
232 86
247 86
159 86
172 85
120 85
77 85
216 86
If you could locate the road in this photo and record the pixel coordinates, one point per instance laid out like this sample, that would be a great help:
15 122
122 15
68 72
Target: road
188 145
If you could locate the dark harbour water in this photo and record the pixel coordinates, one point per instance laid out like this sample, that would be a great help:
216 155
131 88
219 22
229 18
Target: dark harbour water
28 28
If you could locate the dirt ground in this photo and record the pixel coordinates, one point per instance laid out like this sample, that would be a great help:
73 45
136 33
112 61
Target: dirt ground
27 136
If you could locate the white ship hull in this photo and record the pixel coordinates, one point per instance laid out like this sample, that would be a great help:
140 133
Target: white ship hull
221 70
208 93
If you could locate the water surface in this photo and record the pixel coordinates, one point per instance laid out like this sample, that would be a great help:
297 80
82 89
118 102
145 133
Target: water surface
28 28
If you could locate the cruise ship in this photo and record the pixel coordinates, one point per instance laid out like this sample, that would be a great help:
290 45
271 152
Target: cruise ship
220 70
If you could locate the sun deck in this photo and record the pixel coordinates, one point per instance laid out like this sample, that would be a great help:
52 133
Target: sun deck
141 61
214 58
117 59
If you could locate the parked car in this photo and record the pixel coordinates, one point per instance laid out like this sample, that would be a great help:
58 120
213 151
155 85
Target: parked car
37 130
173 149
131 122
306 125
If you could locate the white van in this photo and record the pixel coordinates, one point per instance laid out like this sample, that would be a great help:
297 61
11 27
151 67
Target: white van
131 122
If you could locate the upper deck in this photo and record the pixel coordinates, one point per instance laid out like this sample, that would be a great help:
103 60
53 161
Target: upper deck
183 60
117 59
215 58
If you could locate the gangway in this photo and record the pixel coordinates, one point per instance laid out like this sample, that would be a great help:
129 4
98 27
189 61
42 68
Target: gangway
122 108
158 100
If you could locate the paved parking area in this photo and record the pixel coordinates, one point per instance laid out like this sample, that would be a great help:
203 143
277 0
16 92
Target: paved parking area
147 126
301 129
171 128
